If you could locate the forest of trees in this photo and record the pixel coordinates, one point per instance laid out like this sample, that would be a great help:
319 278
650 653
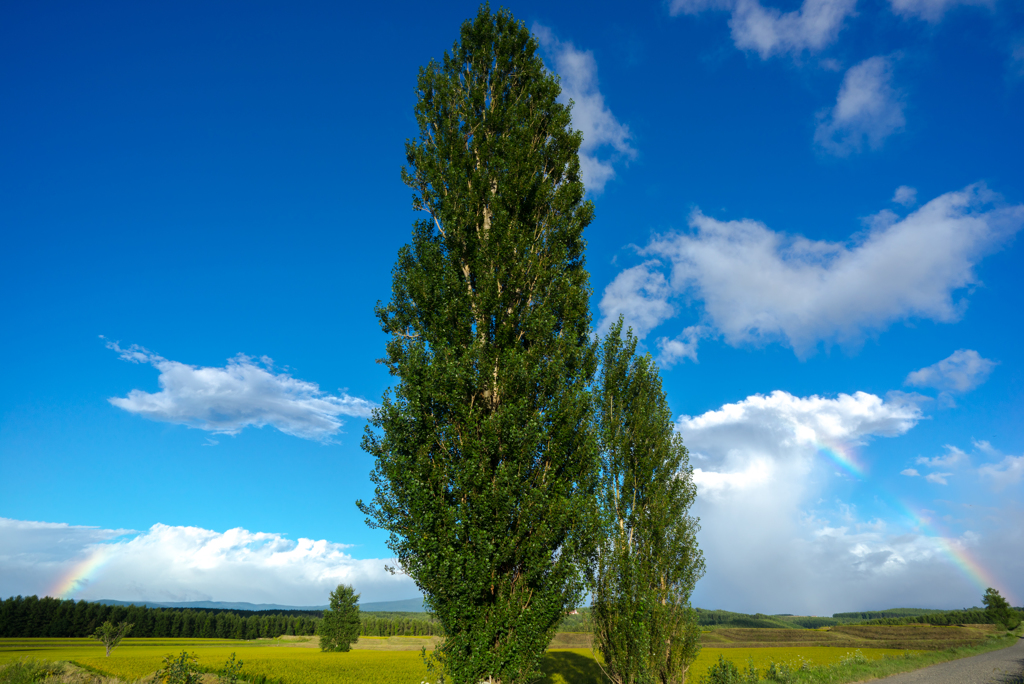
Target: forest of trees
971 616
30 616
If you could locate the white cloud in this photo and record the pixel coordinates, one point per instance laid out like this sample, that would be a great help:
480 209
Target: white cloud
938 478
760 464
910 472
641 295
244 393
953 457
867 110
168 563
769 31
961 371
905 195
932 11
683 346
601 130
1009 471
758 285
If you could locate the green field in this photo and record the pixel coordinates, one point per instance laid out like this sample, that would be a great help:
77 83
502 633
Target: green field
383 661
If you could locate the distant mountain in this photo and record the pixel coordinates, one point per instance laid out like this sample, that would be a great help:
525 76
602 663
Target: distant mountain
414 605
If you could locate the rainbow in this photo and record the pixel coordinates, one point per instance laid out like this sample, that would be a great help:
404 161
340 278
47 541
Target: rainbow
843 456
79 575
954 550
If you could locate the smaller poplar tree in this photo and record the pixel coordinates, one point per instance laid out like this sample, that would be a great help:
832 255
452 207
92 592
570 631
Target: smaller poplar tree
339 628
998 610
111 634
649 562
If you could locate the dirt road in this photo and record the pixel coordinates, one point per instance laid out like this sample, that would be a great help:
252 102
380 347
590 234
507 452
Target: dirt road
1005 666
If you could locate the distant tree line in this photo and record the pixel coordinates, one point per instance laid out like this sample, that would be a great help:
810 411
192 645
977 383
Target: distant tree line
31 616
970 616
407 624
891 613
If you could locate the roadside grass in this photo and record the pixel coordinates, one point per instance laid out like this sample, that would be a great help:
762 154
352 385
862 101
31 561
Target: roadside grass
857 668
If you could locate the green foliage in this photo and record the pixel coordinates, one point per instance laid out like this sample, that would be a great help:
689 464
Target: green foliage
232 672
486 462
111 634
180 669
30 616
810 622
970 616
725 672
340 626
381 624
890 613
29 671
648 563
998 610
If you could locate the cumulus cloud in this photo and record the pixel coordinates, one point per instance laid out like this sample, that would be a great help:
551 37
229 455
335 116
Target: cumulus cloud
171 564
905 195
932 11
244 393
867 111
769 31
605 139
960 372
762 465
757 285
910 472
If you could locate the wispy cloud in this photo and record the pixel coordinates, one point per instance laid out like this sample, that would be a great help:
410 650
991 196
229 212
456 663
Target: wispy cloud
244 393
960 372
757 285
605 140
952 457
867 111
905 195
933 11
769 31
175 563
1007 472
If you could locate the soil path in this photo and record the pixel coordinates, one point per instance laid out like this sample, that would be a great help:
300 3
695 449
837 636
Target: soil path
1005 666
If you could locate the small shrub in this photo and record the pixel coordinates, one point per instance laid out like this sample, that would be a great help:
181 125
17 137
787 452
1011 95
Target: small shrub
726 672
778 672
232 671
29 671
180 669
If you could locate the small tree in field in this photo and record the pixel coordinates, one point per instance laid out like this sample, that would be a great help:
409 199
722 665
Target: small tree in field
180 669
486 462
111 634
998 610
649 562
339 628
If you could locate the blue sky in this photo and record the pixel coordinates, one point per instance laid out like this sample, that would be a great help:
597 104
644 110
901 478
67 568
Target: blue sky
810 212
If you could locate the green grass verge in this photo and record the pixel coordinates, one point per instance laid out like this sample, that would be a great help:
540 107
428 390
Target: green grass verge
854 667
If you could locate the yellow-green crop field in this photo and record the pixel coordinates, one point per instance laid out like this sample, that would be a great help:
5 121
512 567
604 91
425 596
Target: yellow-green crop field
138 658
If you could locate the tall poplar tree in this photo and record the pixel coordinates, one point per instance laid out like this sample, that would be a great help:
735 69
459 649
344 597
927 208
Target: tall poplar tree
486 460
648 562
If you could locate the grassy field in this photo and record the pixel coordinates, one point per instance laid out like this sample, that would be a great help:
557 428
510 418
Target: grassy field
397 660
